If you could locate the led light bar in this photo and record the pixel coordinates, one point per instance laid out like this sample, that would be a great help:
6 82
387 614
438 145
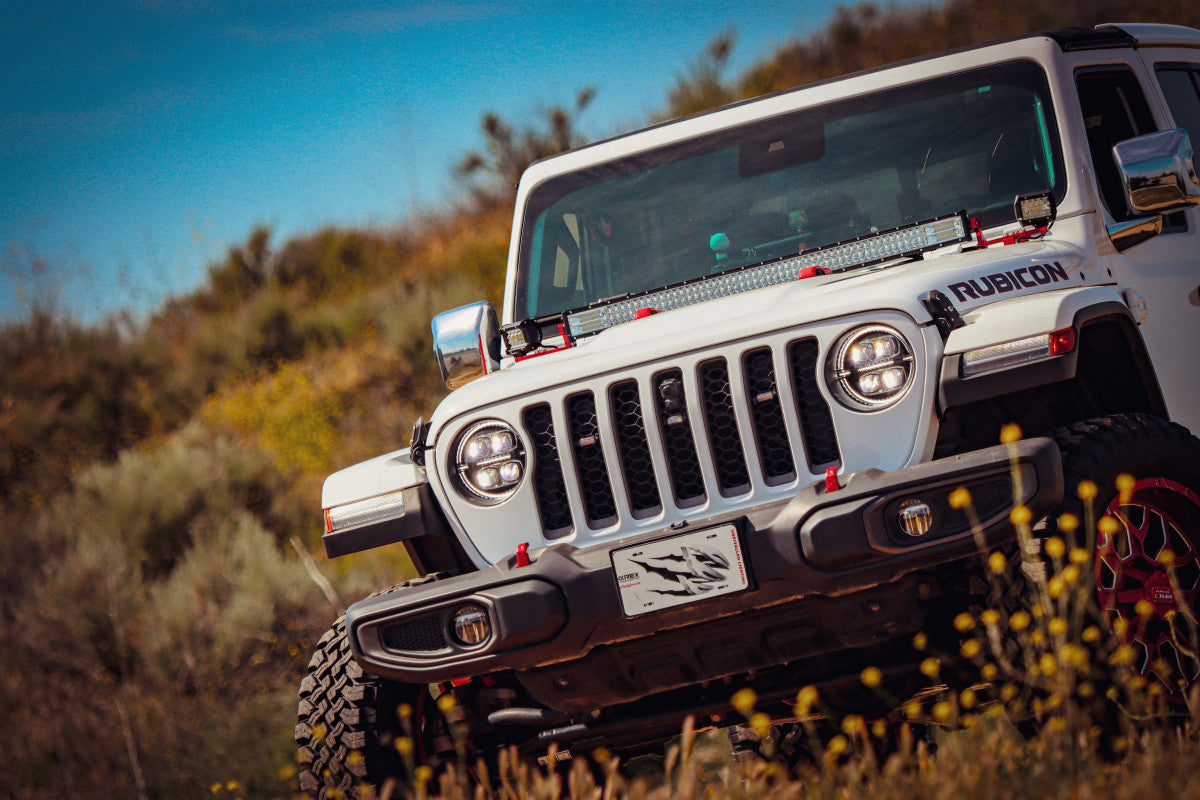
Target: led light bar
874 249
364 512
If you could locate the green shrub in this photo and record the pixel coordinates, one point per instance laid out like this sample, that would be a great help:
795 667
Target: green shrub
161 631
223 601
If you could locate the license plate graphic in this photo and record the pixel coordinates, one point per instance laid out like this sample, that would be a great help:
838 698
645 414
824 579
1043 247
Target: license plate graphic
680 569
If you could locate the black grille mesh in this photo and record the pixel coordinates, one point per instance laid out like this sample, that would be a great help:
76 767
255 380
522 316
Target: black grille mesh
424 635
594 485
732 474
687 481
548 484
635 449
770 432
672 405
820 440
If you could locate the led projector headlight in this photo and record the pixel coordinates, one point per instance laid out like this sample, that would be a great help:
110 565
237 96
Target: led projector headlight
871 368
489 461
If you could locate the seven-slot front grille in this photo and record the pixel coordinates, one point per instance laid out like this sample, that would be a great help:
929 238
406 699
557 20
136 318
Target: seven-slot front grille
655 433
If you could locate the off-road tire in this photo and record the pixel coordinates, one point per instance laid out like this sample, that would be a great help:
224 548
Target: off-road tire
1164 460
347 720
347 723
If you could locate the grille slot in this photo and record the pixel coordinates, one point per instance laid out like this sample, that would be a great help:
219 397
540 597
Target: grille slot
598 501
687 481
548 484
635 449
770 431
424 635
820 439
728 458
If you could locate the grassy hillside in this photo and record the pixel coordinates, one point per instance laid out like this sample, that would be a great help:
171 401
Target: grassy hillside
159 481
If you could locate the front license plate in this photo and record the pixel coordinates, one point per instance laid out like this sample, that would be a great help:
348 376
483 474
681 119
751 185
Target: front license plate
680 569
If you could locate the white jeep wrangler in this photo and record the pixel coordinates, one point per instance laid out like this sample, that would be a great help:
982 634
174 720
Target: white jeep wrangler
745 358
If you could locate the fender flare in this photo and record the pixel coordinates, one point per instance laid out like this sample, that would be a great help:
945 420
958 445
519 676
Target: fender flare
1079 309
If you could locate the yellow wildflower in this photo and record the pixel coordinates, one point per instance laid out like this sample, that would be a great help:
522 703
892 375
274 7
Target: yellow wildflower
743 701
1125 484
960 498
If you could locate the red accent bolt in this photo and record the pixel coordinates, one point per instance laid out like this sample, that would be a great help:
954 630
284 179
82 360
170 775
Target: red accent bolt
812 272
831 480
642 313
523 555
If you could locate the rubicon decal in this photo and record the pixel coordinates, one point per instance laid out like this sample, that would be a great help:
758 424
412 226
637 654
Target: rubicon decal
1009 281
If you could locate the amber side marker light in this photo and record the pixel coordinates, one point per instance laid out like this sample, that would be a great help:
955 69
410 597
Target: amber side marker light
1062 342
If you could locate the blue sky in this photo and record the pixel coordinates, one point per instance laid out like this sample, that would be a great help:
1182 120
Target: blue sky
140 138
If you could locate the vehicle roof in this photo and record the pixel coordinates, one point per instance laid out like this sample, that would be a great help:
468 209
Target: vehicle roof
1146 33
1108 35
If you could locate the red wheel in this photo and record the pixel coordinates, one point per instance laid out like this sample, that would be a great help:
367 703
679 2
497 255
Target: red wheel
1147 567
1154 557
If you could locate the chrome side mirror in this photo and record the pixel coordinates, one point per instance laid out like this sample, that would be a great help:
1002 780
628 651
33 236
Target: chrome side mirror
1159 178
466 343
1158 172
1125 235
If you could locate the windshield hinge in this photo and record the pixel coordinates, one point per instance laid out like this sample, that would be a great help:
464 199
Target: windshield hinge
944 314
416 448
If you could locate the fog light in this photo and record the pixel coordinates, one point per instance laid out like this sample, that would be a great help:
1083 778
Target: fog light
915 518
471 625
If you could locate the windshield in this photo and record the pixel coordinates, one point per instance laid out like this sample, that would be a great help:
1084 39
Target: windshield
778 187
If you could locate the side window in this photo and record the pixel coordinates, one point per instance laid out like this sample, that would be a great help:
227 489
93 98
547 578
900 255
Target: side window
1114 109
1181 86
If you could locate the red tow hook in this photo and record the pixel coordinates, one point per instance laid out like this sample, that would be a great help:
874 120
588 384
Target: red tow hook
523 555
831 480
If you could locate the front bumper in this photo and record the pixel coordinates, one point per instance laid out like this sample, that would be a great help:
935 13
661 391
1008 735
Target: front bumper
829 561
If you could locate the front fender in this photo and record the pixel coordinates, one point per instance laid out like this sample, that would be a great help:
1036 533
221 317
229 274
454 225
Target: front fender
374 503
1022 318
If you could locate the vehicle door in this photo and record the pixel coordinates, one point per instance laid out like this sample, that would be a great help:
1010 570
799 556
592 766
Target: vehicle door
1119 101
